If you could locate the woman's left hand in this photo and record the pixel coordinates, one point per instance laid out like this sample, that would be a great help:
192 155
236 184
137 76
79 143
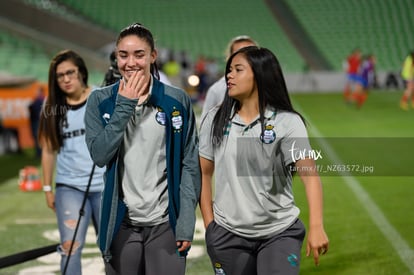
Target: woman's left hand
183 245
317 244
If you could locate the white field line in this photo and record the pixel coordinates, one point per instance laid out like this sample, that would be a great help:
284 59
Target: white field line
402 248
29 221
93 265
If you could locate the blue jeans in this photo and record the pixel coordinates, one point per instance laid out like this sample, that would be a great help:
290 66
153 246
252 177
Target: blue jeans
68 202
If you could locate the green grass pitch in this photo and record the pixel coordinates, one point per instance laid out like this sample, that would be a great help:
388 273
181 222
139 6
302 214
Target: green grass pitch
370 230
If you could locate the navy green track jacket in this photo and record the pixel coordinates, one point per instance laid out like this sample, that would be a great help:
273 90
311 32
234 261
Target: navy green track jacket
106 118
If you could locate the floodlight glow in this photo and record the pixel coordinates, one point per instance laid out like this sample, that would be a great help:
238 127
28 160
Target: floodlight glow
193 80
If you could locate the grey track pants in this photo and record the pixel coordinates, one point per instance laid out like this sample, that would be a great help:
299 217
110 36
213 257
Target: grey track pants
233 255
145 251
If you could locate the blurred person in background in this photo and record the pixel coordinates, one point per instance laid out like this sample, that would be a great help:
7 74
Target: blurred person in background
186 67
351 66
364 81
144 132
112 75
407 74
35 108
215 94
62 140
252 223
172 69
200 70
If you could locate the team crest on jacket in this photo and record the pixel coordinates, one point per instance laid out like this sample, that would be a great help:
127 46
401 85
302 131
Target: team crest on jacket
268 135
160 116
177 120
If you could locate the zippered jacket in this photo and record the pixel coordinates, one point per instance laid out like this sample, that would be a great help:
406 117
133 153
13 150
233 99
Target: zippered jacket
106 118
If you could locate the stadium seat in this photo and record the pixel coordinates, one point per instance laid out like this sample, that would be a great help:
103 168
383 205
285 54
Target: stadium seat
380 27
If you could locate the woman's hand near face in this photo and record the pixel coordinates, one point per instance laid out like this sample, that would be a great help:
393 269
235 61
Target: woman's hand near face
135 87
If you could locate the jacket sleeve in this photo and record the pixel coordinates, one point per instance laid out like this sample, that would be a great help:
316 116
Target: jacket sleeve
190 181
104 131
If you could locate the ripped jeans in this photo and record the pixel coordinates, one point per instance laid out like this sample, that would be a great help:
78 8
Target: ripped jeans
68 202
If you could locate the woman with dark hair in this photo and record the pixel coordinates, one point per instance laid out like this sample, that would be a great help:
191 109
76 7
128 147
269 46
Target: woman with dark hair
254 143
62 139
144 132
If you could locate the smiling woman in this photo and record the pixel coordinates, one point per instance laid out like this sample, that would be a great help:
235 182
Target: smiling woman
136 62
148 137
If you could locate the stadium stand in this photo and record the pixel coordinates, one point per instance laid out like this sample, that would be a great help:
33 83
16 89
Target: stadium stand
198 27
48 27
333 28
24 57
381 27
21 56
315 60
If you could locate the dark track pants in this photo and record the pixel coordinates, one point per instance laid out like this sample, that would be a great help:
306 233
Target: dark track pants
233 255
145 251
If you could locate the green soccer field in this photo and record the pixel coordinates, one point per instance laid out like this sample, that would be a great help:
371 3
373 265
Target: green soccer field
368 215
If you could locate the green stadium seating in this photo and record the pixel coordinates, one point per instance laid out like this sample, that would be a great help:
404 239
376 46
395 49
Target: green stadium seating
199 27
22 57
381 27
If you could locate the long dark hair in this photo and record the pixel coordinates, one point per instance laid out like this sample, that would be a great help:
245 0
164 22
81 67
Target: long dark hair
55 107
271 88
143 33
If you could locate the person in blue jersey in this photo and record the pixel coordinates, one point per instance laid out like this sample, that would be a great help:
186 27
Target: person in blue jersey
254 143
62 138
144 132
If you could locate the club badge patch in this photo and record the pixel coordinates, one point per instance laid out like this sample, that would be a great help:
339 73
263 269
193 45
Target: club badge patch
218 269
106 117
268 135
177 120
160 117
